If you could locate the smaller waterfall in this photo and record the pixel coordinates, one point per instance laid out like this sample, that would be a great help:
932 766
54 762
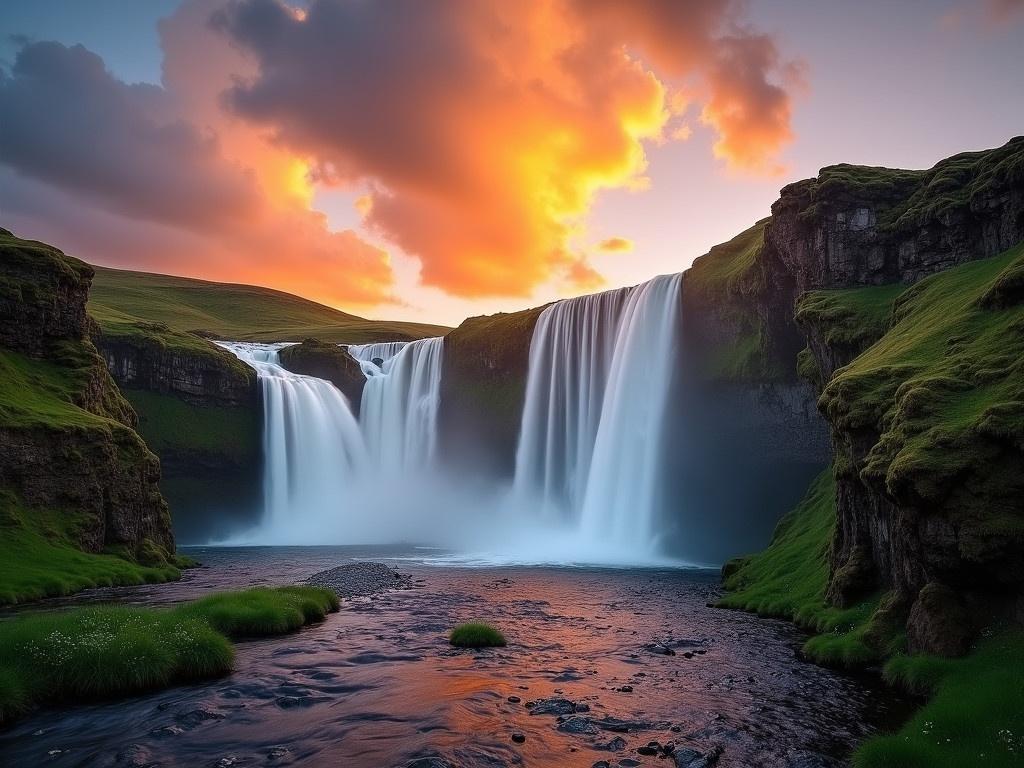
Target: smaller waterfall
312 446
398 414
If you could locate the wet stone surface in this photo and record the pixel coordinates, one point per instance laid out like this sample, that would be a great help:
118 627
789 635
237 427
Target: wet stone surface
360 579
377 684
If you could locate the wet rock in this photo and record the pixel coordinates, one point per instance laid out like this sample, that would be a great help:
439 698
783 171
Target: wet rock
692 758
625 689
647 751
552 707
198 716
360 579
601 764
514 699
582 707
660 649
628 762
276 753
615 745
579 726
289 702
518 738
226 762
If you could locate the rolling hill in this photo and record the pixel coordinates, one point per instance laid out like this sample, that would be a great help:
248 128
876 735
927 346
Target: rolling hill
122 298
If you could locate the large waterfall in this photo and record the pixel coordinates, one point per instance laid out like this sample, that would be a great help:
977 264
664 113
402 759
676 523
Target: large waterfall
589 464
597 393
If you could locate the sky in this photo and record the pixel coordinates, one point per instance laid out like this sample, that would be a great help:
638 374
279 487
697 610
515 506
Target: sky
437 159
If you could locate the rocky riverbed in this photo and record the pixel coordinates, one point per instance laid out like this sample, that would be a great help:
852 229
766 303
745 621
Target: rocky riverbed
604 667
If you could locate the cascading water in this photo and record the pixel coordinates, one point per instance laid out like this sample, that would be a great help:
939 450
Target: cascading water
312 446
596 400
399 406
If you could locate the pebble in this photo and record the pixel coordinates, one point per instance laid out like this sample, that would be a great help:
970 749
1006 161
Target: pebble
360 579
514 699
518 738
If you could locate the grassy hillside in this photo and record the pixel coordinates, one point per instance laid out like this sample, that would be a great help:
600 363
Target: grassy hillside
120 299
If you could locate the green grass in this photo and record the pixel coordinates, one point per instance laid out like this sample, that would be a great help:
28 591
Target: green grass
944 391
854 318
174 429
103 652
731 266
121 299
916 197
788 580
39 558
975 715
476 635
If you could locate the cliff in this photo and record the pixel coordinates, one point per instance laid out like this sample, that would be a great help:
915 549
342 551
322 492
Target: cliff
73 471
920 385
327 361
483 385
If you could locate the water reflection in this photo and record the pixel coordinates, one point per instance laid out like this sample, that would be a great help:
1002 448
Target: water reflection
377 684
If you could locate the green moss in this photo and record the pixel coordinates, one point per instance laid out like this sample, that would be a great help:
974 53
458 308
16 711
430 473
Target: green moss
975 715
39 557
852 318
88 653
122 300
730 267
908 199
788 580
175 429
476 635
944 391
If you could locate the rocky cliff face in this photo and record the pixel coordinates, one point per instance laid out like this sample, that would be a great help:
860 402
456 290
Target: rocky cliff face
909 481
330 362
483 384
152 357
66 436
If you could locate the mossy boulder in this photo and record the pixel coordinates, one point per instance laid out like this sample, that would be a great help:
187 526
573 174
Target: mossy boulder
327 361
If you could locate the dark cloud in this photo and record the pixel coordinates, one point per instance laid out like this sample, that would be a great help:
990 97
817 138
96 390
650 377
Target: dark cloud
69 122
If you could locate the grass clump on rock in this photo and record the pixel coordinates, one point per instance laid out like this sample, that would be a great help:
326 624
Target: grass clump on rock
476 635
108 651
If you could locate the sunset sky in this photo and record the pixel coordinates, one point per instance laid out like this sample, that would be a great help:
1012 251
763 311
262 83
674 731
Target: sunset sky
433 160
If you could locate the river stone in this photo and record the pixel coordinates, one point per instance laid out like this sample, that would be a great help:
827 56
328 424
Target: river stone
578 725
553 707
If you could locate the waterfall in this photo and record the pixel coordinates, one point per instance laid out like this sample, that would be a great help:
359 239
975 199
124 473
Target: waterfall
400 400
570 354
596 401
312 445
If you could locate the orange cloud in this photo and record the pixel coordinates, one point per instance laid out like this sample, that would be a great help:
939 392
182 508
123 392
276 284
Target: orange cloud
615 245
487 129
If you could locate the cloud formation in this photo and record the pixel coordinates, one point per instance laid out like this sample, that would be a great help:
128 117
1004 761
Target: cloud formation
615 245
476 133
144 153
484 130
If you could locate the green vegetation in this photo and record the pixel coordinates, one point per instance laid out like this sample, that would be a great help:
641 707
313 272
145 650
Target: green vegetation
854 318
788 580
90 653
176 430
918 196
476 635
726 280
730 267
975 715
39 558
944 391
120 299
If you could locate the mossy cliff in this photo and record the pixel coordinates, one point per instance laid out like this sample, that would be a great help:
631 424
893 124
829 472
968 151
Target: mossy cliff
483 385
327 361
73 471
907 286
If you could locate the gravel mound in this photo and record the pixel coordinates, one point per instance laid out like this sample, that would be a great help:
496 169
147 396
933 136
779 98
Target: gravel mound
360 579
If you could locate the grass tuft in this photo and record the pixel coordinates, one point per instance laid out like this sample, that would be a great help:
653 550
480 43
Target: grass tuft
476 635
